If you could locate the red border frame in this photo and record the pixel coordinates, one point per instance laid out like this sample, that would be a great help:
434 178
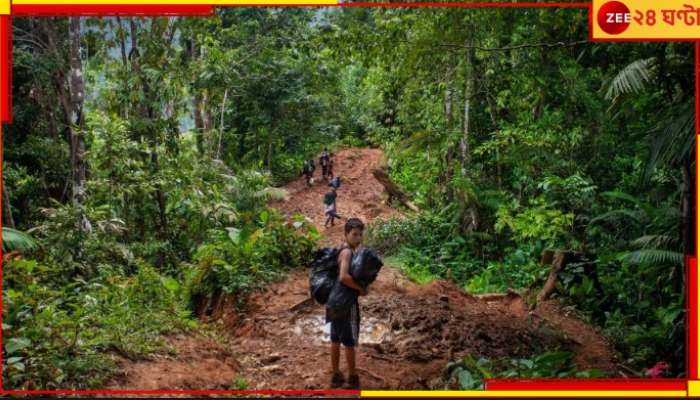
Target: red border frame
153 10
6 70
640 384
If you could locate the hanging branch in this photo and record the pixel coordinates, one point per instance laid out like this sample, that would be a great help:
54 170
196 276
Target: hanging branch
506 48
518 47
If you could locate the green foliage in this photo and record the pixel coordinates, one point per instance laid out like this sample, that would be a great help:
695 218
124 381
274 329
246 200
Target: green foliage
239 383
469 374
13 239
239 259
515 272
536 222
56 335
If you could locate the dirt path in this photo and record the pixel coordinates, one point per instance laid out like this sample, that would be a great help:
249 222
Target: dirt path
408 333
359 195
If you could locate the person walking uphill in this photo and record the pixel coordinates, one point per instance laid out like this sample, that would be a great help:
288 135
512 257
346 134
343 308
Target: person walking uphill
308 171
324 160
345 321
329 200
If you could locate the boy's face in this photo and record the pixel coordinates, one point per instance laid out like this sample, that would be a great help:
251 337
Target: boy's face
354 237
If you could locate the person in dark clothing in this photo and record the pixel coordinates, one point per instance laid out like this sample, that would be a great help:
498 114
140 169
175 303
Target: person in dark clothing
330 170
308 171
324 160
345 323
329 202
335 183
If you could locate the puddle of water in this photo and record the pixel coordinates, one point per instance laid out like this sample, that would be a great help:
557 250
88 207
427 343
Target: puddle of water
315 327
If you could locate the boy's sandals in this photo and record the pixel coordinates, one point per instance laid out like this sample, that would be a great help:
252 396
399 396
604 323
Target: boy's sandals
337 380
354 381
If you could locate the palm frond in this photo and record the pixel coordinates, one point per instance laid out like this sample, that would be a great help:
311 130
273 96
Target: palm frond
617 214
622 196
13 239
655 241
673 140
654 256
631 79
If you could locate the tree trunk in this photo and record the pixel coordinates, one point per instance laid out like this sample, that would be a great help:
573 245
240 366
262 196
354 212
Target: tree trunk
125 63
559 259
132 29
469 78
449 90
122 42
492 113
197 106
221 126
687 225
7 219
149 115
77 98
206 115
392 189
198 122
269 152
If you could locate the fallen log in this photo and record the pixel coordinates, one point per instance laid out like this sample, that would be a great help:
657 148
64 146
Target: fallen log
393 189
303 304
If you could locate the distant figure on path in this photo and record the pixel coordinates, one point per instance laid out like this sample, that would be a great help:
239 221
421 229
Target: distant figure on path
308 171
330 170
335 183
324 160
329 200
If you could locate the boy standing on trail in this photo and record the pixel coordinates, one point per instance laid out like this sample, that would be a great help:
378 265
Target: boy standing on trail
345 323
329 207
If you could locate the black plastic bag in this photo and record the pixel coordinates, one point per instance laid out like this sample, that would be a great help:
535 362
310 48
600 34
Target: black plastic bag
365 267
341 297
325 286
323 274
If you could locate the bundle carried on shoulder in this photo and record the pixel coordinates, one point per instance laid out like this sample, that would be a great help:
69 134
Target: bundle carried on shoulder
323 274
365 267
324 285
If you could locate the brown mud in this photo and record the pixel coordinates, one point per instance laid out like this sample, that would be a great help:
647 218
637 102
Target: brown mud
408 332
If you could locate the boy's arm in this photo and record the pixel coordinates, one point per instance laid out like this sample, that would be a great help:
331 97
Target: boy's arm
345 276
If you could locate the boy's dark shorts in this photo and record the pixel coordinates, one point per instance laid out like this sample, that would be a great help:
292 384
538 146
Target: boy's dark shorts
345 328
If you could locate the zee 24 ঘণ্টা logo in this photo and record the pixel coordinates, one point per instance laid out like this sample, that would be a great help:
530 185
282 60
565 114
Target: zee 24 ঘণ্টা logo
614 17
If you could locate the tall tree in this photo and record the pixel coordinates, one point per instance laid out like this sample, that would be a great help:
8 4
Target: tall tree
77 142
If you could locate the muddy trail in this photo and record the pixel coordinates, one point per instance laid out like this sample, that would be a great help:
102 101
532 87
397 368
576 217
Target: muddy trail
408 332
